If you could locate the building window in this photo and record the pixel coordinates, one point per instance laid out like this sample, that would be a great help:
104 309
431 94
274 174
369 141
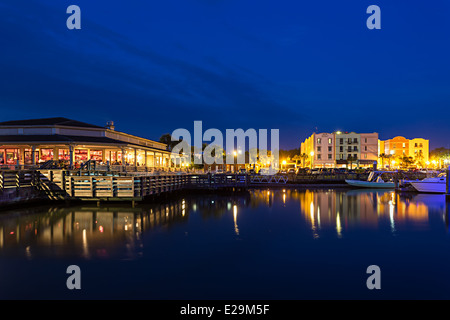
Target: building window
319 157
365 148
415 145
420 145
96 155
355 156
341 141
349 149
365 140
341 156
355 148
330 156
12 155
404 145
393 146
63 154
365 155
355 140
46 154
81 155
341 149
329 141
319 141
329 149
319 149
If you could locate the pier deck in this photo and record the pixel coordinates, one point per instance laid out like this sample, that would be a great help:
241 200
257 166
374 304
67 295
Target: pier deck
112 186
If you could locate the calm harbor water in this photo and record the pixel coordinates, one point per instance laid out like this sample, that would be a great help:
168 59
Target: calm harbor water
267 244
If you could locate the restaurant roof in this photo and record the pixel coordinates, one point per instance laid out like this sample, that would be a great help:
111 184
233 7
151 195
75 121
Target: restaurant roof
58 121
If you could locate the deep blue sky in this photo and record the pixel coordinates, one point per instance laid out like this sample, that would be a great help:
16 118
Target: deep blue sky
298 66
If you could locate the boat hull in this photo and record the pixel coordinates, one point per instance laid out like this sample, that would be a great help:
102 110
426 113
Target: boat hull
428 187
369 184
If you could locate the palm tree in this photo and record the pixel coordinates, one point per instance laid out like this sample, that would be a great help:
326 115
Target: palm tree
351 159
419 159
383 156
304 157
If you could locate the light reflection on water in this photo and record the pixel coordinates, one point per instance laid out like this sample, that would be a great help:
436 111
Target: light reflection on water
116 232
283 244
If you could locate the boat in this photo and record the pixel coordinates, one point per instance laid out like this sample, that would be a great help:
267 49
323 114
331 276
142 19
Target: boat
375 181
430 185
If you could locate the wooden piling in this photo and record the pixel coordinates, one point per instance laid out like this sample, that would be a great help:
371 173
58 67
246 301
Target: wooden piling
447 184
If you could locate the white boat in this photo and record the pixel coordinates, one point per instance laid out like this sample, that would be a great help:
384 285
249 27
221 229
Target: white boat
430 185
375 181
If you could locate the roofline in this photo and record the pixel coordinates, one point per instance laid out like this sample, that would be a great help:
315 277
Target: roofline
133 136
51 126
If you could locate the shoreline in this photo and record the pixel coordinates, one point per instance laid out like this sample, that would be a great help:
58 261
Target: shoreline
16 202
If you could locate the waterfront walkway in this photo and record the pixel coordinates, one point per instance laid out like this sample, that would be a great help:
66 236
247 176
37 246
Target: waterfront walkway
58 184
107 186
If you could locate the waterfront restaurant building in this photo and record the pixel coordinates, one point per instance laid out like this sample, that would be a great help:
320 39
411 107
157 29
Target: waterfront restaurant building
33 142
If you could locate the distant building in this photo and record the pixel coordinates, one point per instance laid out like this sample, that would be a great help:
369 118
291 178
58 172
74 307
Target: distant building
319 149
356 150
341 149
399 146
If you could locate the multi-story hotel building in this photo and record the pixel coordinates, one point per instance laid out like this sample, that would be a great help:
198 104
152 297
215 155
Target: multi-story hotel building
399 146
356 149
319 149
341 149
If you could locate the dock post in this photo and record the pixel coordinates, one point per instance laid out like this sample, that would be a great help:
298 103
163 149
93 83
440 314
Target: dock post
447 182
396 180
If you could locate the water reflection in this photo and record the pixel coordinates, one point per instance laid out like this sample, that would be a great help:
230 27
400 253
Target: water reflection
117 232
84 231
367 209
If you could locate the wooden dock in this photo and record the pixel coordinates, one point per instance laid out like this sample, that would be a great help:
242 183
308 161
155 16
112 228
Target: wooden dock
57 184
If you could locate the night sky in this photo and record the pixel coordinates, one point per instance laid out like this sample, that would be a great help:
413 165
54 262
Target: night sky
298 66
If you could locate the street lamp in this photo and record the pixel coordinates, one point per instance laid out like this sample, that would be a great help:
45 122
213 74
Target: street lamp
283 163
312 157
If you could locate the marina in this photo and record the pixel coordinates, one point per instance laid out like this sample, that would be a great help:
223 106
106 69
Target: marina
215 158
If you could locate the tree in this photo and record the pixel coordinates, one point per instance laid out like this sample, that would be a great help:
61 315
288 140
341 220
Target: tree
406 161
289 153
351 159
383 157
419 159
167 139
304 157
